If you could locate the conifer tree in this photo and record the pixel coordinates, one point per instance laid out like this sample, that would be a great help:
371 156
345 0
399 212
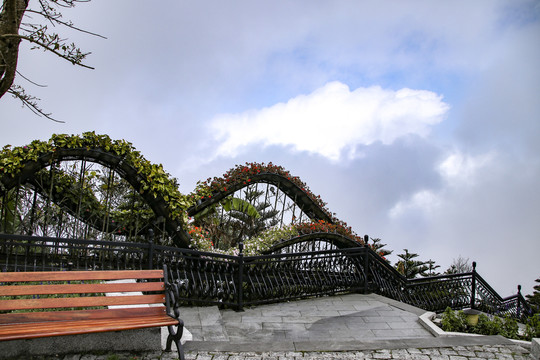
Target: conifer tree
409 267
534 299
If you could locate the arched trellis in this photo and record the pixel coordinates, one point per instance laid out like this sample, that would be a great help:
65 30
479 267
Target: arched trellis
37 169
283 201
313 242
284 184
38 157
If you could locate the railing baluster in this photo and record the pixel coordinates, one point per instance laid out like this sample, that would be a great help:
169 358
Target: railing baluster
473 286
240 284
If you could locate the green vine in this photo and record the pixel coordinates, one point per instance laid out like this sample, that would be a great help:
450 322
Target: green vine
154 179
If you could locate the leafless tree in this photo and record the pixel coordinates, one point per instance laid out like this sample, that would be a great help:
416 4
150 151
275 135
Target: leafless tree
34 22
460 265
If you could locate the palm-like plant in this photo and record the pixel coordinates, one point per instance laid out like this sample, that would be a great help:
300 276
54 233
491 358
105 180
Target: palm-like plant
409 267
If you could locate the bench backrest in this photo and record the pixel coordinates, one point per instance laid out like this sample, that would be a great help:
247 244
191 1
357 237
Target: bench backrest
78 289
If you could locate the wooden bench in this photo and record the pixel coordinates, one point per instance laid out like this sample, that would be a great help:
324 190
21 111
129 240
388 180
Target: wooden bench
71 293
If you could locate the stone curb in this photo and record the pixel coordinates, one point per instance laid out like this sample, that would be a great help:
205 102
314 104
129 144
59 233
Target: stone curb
325 346
535 349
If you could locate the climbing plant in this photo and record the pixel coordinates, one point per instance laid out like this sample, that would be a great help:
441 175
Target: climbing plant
114 200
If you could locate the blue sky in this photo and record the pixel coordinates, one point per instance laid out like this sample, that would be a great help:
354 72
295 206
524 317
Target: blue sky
417 121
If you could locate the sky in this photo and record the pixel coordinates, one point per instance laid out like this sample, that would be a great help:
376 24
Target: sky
416 121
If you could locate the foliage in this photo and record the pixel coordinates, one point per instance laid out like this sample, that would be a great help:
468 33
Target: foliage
532 329
244 174
234 219
323 226
460 265
34 23
454 322
378 247
239 224
534 298
156 183
508 327
409 267
153 179
431 268
265 240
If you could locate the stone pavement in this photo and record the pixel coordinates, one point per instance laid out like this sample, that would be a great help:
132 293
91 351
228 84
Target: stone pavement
350 326
352 317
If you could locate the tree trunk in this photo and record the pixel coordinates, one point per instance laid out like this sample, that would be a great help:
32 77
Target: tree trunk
10 21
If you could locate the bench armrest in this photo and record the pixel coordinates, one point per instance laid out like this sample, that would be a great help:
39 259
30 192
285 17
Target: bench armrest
173 289
172 303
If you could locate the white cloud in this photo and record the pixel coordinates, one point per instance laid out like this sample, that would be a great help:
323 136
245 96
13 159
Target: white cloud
461 169
459 172
331 119
424 201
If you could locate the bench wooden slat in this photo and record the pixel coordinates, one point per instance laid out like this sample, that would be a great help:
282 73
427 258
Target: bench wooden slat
94 314
17 290
79 275
77 313
76 302
57 328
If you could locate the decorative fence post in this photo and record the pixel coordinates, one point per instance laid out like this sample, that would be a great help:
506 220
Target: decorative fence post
240 284
150 263
366 263
518 307
473 284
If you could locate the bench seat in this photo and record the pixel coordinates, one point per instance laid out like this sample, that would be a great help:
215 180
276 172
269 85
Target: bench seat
73 292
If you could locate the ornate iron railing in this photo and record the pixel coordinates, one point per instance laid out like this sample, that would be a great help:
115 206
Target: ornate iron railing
238 281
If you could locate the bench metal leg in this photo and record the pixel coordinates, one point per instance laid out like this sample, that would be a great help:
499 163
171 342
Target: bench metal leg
175 335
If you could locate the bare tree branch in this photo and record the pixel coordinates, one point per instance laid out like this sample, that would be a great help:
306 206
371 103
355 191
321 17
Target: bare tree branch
13 31
30 102
75 59
66 24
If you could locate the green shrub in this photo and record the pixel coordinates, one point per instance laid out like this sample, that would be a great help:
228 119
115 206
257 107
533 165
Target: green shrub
484 326
507 327
532 329
454 322
510 328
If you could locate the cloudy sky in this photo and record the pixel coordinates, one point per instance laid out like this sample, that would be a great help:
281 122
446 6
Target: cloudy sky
417 121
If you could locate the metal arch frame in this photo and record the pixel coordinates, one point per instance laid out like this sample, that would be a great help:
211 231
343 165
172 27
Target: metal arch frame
340 241
293 191
111 161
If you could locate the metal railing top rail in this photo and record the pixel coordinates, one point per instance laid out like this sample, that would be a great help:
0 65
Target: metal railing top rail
430 279
31 239
303 254
127 244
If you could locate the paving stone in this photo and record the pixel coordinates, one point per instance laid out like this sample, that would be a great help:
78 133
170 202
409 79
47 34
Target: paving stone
504 356
419 357
466 353
439 357
447 351
220 357
484 354
432 351
204 356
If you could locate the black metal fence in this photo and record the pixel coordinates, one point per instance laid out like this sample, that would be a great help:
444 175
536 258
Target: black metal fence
238 281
